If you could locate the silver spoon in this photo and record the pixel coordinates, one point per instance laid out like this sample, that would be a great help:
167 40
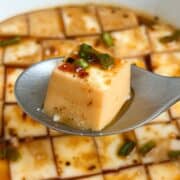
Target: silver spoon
153 94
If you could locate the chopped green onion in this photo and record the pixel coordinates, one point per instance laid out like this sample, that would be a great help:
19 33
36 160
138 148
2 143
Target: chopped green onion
10 41
85 51
12 153
107 39
2 153
126 148
106 60
173 154
89 55
173 37
147 147
81 63
85 47
9 153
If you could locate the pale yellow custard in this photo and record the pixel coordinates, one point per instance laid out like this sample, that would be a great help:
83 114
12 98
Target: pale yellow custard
90 102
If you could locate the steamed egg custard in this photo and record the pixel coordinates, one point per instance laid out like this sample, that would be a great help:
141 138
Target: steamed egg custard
88 89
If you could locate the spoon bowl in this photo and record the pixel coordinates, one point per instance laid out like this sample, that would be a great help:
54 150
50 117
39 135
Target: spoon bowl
153 94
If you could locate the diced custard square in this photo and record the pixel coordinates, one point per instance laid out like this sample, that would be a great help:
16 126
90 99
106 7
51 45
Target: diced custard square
160 152
91 102
158 32
174 146
25 53
58 48
156 132
80 20
108 147
175 110
75 156
113 18
17 25
132 42
19 124
163 135
4 170
1 82
90 40
134 173
167 64
163 117
46 23
165 171
35 162
11 76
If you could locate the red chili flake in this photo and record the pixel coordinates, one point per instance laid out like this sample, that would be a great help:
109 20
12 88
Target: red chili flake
67 67
82 73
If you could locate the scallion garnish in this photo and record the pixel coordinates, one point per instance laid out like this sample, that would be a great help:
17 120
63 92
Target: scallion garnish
175 36
174 154
106 60
81 63
85 51
2 153
147 147
10 41
9 153
89 54
126 148
107 39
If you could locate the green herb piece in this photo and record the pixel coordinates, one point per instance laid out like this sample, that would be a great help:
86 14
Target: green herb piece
175 36
147 147
174 154
10 41
85 51
107 39
2 153
9 153
89 54
12 153
81 63
126 148
106 60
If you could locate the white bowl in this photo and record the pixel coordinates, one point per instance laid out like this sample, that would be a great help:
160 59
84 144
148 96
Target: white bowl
166 9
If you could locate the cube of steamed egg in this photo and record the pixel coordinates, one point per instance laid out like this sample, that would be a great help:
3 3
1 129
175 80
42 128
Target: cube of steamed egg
91 102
